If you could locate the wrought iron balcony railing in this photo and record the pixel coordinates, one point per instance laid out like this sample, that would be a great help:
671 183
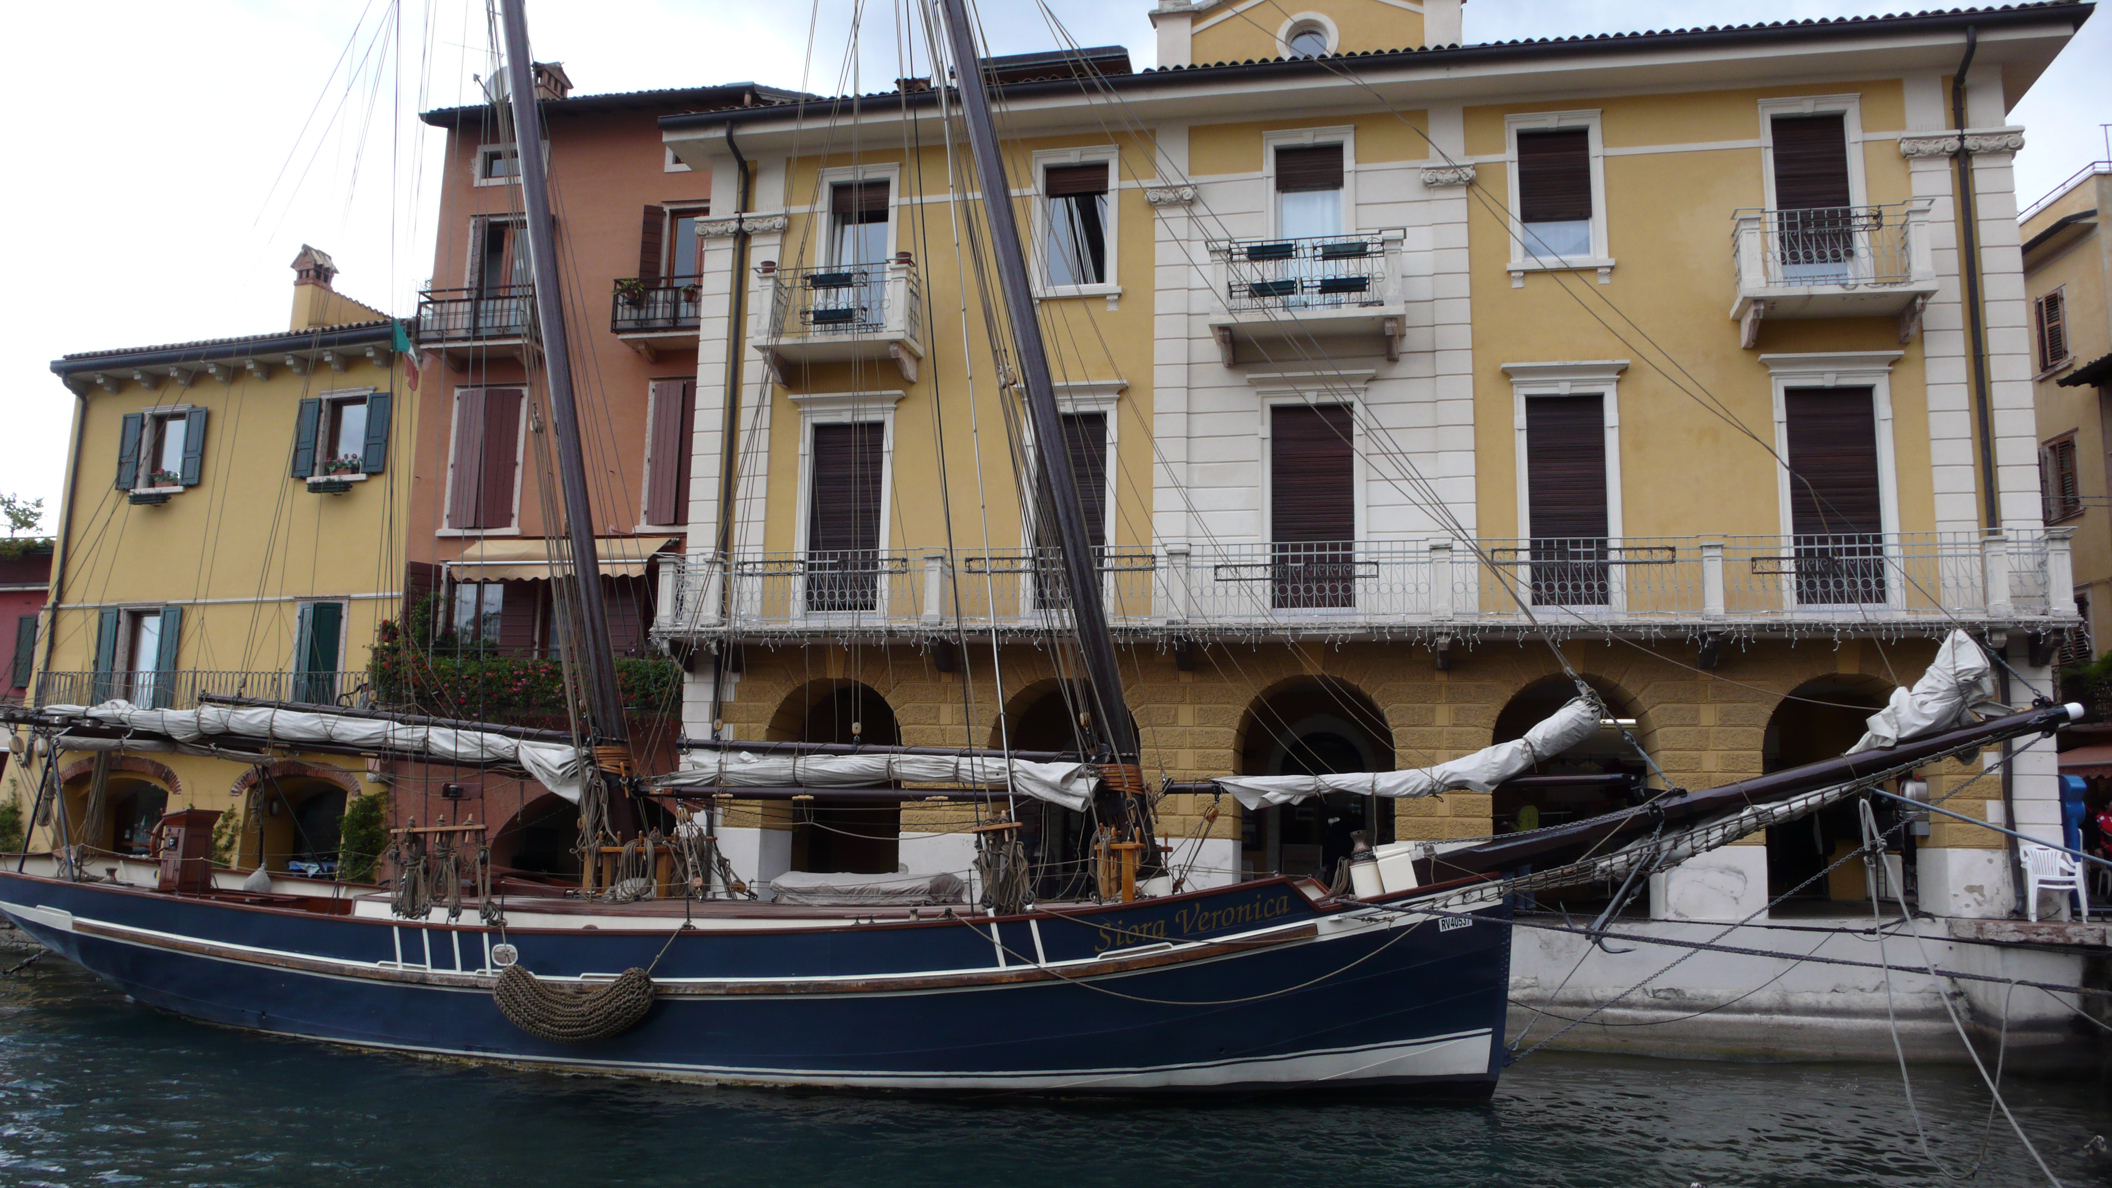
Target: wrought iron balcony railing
1323 272
181 688
475 315
846 313
1795 584
638 307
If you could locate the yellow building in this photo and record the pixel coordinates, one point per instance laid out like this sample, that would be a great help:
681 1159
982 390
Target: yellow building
1387 359
2068 280
232 527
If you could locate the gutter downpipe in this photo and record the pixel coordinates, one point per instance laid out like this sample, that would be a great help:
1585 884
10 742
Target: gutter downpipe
729 446
1983 413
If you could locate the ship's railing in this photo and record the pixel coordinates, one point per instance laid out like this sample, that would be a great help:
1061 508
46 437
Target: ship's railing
1342 586
182 688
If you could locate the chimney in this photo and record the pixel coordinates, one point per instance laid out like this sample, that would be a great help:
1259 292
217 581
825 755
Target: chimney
315 301
1174 21
551 81
313 267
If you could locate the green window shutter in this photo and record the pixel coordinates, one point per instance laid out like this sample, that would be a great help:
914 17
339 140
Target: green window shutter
25 649
108 623
128 436
193 447
304 432
301 634
325 623
165 654
375 457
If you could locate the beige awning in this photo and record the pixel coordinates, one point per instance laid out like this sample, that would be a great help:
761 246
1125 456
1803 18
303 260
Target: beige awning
527 559
2087 761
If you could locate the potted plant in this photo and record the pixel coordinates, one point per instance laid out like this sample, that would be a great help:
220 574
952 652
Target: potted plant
691 291
344 464
630 291
164 478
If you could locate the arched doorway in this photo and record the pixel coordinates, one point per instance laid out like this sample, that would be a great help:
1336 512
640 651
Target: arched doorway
1058 841
541 840
1820 719
842 836
1599 775
135 806
1313 726
296 824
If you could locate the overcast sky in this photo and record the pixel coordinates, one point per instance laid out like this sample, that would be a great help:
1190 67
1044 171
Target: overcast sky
170 159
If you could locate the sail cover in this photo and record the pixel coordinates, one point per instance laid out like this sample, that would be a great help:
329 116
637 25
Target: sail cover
1960 678
1478 772
555 766
1067 784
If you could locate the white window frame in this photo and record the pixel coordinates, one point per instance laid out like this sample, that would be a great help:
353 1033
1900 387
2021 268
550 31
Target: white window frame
128 617
1523 260
520 445
1073 398
1840 369
1344 135
670 163
1849 107
843 408
331 401
1270 402
1108 154
1325 23
150 447
1577 377
825 188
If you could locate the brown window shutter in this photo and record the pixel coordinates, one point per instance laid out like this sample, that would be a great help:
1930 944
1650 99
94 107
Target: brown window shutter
467 477
845 506
519 615
1085 439
1315 168
2060 488
1565 461
650 229
502 427
1554 176
1064 181
1312 485
1833 487
626 624
859 202
1811 162
667 474
2052 321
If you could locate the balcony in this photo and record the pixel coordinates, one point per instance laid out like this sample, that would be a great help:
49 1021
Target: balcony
1754 586
459 322
1277 294
655 317
1836 262
860 313
181 689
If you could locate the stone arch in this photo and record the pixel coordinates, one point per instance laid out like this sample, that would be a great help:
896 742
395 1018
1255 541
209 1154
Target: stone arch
842 835
1042 716
1312 724
1598 775
139 792
292 816
540 840
1819 719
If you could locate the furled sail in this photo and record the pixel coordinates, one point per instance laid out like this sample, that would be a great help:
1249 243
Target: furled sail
1960 678
1068 784
1478 772
556 766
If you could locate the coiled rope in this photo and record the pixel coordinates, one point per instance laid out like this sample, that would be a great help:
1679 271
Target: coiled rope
573 1014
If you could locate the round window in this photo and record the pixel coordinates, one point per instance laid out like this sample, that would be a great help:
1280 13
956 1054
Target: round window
1306 40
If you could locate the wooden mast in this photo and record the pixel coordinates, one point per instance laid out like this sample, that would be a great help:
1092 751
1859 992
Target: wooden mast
1110 726
590 641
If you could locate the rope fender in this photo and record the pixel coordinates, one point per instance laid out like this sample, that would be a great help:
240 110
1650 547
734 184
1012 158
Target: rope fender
569 1014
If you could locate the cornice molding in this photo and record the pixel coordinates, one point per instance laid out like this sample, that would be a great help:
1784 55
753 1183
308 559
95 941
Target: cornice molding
754 224
1945 144
1439 176
1169 195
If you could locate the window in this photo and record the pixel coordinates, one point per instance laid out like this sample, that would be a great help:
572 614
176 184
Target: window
1815 216
1075 199
338 435
2060 490
1306 39
485 459
684 262
1835 496
135 654
858 223
2049 318
1309 191
670 163
1312 505
668 246
317 639
498 165
1555 203
161 448
667 451
25 650
1566 506
843 517
1085 444
479 611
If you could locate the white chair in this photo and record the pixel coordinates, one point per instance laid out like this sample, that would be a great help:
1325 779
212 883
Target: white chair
2048 869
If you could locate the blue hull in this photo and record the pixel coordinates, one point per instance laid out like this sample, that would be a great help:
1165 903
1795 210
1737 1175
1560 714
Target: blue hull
1247 988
